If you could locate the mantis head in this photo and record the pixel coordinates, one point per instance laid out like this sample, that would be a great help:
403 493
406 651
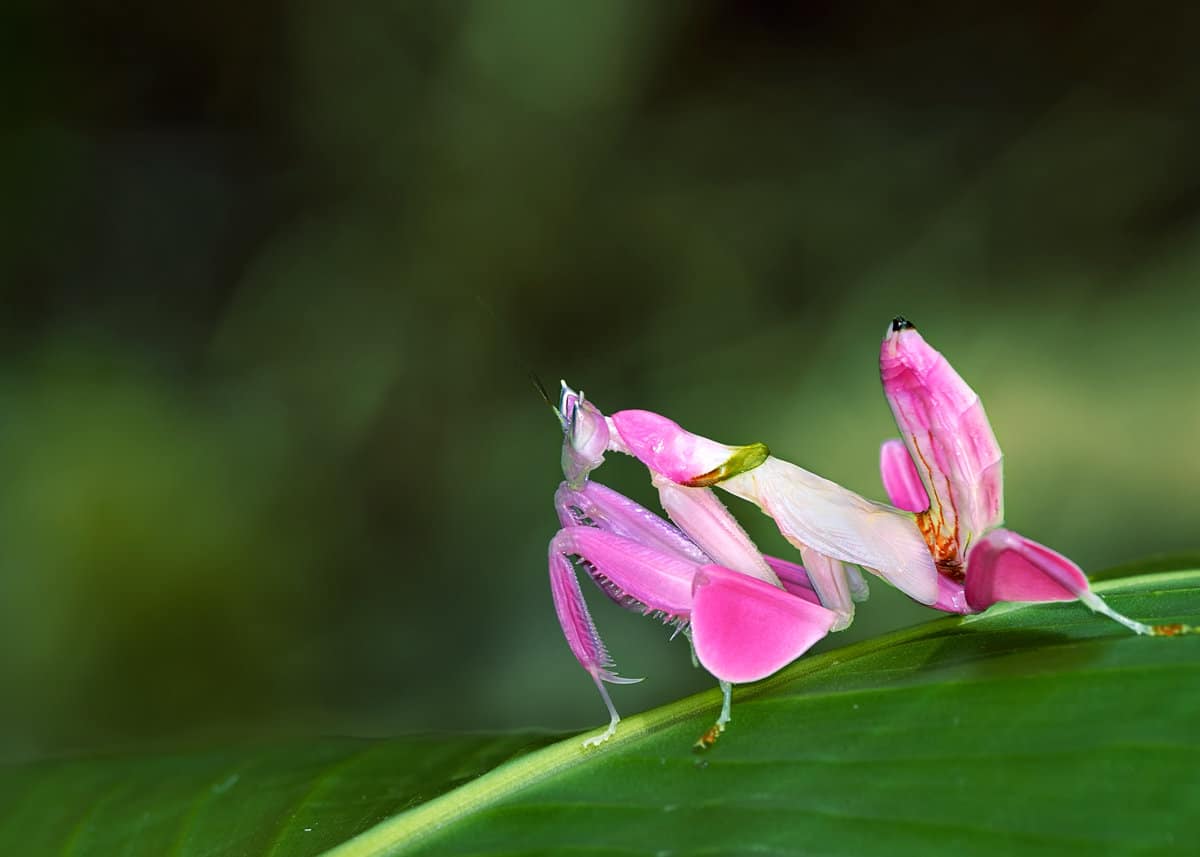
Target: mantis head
585 436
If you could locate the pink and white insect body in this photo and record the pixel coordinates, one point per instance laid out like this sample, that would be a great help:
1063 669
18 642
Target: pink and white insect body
747 615
833 528
947 468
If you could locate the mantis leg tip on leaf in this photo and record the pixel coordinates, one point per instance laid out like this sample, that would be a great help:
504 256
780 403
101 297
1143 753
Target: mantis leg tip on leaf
1097 605
714 732
597 740
709 738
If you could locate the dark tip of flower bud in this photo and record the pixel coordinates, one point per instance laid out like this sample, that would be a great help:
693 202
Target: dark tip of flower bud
900 323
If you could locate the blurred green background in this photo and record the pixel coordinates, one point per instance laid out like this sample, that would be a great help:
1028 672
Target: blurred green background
274 276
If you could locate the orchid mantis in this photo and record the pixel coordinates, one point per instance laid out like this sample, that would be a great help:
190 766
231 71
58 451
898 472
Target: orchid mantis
747 615
947 469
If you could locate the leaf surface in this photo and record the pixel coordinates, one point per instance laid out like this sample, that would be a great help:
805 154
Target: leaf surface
1029 729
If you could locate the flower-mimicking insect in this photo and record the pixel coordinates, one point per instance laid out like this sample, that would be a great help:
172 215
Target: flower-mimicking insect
745 614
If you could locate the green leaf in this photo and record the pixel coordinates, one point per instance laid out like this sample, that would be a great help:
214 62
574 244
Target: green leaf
1148 565
1029 729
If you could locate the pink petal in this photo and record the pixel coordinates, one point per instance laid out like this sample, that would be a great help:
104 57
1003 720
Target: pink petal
1006 566
900 478
744 629
952 596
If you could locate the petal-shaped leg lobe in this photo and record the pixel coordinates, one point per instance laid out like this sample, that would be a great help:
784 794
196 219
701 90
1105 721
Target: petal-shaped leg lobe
900 478
952 596
1006 566
744 629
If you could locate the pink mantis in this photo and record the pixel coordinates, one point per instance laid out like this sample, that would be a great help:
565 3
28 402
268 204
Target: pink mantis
747 615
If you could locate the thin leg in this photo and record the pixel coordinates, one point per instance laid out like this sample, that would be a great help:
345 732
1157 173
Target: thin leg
714 732
614 718
1096 604
727 693
859 590
576 621
632 573
829 579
